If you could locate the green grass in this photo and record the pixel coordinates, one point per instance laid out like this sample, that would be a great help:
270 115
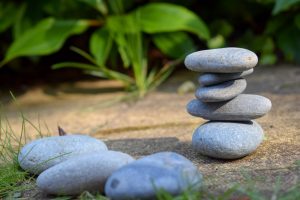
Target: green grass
11 176
14 181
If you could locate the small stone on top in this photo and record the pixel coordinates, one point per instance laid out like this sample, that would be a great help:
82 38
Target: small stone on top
222 60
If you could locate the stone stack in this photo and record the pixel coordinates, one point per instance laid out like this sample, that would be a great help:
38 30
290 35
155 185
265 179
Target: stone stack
231 132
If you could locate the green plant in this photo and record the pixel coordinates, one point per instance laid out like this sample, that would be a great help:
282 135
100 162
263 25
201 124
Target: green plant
280 33
140 42
122 34
11 176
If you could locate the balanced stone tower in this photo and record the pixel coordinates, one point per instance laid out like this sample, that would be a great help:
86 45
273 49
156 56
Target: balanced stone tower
231 132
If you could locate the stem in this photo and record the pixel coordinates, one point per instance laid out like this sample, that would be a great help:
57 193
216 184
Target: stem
94 22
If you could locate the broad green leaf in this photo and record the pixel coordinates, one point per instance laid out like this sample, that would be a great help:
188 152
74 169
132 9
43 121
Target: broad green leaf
164 17
282 5
123 23
100 45
30 13
45 38
8 13
22 23
99 5
174 44
119 6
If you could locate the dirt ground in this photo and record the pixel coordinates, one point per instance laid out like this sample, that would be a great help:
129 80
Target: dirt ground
159 122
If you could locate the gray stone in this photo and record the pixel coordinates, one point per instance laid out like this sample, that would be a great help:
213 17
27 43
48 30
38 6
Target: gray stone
223 60
244 107
143 178
221 92
87 172
43 153
215 78
227 140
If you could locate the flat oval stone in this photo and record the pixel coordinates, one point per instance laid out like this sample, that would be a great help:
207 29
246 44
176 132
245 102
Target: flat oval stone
43 153
222 60
227 140
221 92
87 172
244 107
215 78
143 178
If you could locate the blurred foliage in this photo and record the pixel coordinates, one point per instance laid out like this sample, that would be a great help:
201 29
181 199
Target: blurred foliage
139 42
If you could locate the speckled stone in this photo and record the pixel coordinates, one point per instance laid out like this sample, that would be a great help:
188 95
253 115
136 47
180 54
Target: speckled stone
43 153
215 78
82 173
143 178
221 92
241 108
222 60
227 140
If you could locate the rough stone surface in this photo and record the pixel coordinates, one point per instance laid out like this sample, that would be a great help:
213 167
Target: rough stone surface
222 60
215 78
221 92
83 173
41 154
227 140
143 178
244 107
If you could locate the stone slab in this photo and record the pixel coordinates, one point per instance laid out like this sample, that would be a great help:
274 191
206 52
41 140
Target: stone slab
145 127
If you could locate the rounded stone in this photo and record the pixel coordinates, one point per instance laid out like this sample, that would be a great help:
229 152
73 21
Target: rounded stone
227 140
222 60
39 155
87 172
215 78
244 107
143 178
221 92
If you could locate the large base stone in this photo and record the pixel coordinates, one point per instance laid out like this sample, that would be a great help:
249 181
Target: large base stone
227 140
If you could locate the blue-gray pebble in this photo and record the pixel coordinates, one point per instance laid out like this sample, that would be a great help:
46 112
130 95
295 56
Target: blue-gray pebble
215 78
221 92
227 140
222 60
87 172
39 155
143 178
244 107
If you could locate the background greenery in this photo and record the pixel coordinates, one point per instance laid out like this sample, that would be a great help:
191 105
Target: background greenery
140 42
